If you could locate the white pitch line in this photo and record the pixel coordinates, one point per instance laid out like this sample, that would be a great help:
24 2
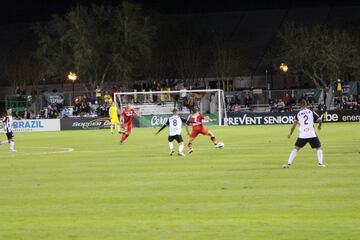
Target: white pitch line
57 151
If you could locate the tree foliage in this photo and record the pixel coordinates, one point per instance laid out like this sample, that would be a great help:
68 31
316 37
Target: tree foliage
321 53
101 43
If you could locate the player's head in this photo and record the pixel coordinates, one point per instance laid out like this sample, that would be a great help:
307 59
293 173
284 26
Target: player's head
128 106
174 111
196 110
9 111
303 103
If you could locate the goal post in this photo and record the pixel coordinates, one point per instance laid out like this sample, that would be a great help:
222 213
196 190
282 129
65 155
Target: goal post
149 103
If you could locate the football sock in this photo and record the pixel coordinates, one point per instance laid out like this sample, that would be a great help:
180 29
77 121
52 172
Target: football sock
12 144
111 128
320 155
123 137
190 145
118 128
181 148
292 156
171 146
213 140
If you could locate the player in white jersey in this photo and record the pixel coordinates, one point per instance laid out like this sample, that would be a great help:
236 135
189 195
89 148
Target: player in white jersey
8 121
306 119
175 125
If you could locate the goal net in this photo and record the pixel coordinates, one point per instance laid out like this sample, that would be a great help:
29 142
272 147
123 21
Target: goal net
158 104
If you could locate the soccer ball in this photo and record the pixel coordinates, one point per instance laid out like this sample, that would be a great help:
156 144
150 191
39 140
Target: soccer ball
220 145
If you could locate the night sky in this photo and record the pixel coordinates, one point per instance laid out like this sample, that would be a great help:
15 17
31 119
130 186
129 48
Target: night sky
21 11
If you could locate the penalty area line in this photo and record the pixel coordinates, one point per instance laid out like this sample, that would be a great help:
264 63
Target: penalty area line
56 150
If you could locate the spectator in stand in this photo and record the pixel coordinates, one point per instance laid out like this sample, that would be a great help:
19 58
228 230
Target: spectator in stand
286 99
77 107
322 107
236 107
107 98
98 94
247 100
17 116
292 102
339 87
355 106
281 106
26 114
183 97
53 111
190 104
18 91
273 105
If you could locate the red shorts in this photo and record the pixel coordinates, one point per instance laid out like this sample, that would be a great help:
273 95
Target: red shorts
128 127
199 130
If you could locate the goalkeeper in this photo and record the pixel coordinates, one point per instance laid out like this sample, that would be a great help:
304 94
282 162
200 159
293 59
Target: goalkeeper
114 120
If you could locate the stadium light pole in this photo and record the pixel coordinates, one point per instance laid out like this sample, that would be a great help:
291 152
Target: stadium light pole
72 77
284 68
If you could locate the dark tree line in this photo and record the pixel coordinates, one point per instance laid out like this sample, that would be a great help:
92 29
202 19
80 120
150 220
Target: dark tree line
120 44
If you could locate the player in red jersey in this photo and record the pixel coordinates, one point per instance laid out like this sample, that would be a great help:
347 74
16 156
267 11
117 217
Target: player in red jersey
195 120
127 117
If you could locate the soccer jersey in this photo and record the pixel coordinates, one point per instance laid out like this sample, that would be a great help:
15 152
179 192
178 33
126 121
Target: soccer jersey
175 125
113 112
306 120
195 120
128 115
8 120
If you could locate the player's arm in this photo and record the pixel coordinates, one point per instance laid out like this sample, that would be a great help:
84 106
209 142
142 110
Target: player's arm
293 126
163 126
208 119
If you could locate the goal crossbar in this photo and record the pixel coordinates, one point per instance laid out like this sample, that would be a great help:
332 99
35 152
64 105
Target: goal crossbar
170 91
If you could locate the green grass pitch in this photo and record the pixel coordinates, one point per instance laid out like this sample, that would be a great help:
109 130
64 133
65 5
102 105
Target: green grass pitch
102 190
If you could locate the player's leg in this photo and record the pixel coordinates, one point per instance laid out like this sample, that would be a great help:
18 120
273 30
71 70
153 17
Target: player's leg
112 128
315 143
118 128
4 142
180 141
212 136
320 157
12 145
298 145
11 140
190 145
126 133
171 144
193 135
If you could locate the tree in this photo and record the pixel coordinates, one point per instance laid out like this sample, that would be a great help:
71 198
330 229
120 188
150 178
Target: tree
191 60
101 43
228 60
321 53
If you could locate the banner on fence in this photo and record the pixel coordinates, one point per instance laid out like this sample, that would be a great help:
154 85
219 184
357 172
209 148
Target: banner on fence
88 123
250 118
35 125
159 120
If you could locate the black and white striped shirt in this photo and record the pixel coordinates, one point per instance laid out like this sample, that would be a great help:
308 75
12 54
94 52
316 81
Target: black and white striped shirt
8 120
